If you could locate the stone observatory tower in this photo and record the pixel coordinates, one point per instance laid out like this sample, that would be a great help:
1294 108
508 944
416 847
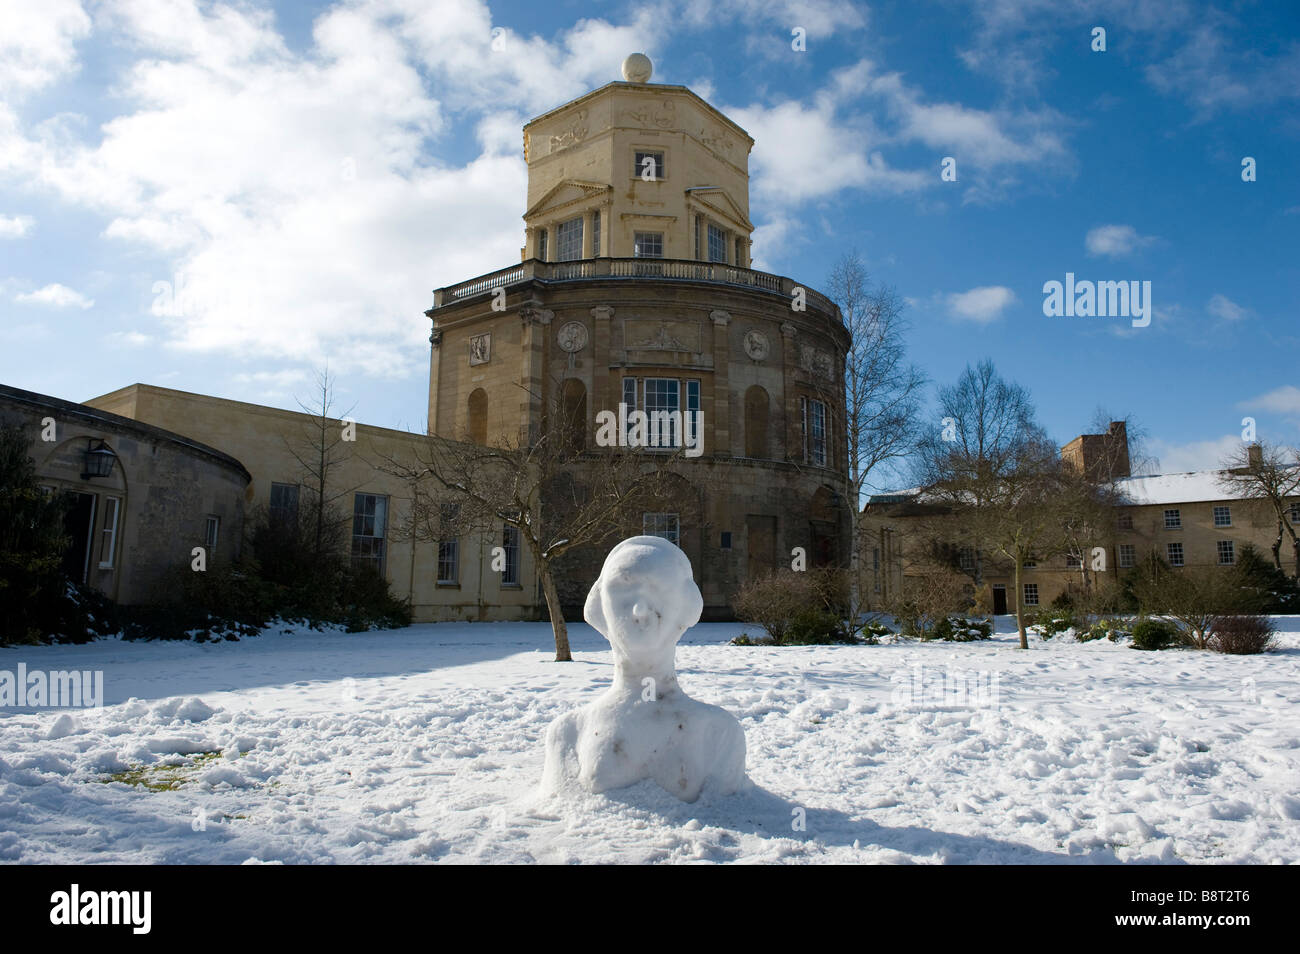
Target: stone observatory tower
635 288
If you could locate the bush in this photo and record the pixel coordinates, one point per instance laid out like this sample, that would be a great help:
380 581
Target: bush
1270 589
1112 629
1054 622
774 601
1154 634
814 627
1243 635
961 629
871 633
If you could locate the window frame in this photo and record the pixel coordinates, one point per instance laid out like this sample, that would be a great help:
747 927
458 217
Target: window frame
448 546
1176 521
1124 520
1025 588
110 531
660 164
1226 511
211 532
564 236
281 513
1228 547
646 530
711 230
1126 554
638 243
378 518
511 543
1170 548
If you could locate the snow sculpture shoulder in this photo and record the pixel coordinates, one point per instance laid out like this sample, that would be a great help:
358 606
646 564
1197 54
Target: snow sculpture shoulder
644 726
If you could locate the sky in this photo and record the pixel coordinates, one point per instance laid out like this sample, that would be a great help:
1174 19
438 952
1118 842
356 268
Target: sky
226 198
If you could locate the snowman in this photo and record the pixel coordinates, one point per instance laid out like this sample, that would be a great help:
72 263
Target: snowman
644 726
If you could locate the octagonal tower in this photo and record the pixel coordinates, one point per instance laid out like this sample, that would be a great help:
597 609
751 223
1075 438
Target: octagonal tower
635 287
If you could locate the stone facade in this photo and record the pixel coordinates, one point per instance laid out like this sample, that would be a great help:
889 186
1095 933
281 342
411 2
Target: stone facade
589 325
264 438
156 503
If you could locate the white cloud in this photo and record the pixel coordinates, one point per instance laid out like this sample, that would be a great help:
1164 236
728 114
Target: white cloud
38 42
1194 455
1282 400
55 296
980 305
1115 241
15 226
1221 306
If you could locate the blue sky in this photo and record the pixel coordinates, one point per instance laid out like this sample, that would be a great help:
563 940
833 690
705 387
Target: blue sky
221 198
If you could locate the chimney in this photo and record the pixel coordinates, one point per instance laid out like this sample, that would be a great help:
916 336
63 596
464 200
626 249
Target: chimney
1255 455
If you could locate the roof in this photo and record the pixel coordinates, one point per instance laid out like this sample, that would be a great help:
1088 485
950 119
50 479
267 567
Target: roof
95 416
1194 487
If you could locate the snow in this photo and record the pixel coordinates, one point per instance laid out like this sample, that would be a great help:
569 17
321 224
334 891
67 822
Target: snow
1194 487
426 745
644 726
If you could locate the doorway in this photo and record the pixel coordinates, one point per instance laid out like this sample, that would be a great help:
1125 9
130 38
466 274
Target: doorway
999 599
78 524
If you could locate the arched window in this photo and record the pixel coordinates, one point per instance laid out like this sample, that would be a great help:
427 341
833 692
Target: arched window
756 407
478 408
573 396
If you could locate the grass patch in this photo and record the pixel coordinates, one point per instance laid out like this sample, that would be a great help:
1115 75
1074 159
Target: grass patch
164 778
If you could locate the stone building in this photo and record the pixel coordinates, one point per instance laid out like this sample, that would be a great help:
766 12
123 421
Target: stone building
1187 519
143 497
635 289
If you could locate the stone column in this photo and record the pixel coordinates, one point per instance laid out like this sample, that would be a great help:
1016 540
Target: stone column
532 375
790 399
721 445
602 397
435 361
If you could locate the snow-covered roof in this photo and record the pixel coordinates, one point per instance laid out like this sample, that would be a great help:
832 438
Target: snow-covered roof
1194 487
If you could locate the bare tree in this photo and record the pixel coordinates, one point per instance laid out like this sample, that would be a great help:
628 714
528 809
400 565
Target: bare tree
1269 473
882 392
992 464
560 495
320 448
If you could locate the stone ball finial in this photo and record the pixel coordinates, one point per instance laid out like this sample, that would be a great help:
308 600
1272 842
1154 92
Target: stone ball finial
637 68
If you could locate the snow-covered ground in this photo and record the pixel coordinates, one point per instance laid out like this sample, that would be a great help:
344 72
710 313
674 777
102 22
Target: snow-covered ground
425 744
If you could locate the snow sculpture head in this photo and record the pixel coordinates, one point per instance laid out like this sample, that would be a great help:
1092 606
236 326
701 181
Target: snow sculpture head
644 600
644 726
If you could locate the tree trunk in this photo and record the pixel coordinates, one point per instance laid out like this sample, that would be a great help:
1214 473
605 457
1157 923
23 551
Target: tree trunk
557 616
1277 546
1020 609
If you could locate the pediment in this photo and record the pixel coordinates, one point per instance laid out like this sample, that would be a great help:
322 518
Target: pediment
716 200
566 193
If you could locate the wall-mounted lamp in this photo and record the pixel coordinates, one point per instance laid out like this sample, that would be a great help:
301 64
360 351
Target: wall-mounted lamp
98 461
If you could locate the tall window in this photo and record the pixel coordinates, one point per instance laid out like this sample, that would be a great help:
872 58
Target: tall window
662 400
648 165
595 234
541 244
648 245
369 520
568 240
717 244
477 416
1175 553
108 533
1031 594
1173 519
815 431
693 416
1295 513
448 545
210 532
1227 553
510 544
1127 556
664 525
284 504
1222 516
966 558
740 251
